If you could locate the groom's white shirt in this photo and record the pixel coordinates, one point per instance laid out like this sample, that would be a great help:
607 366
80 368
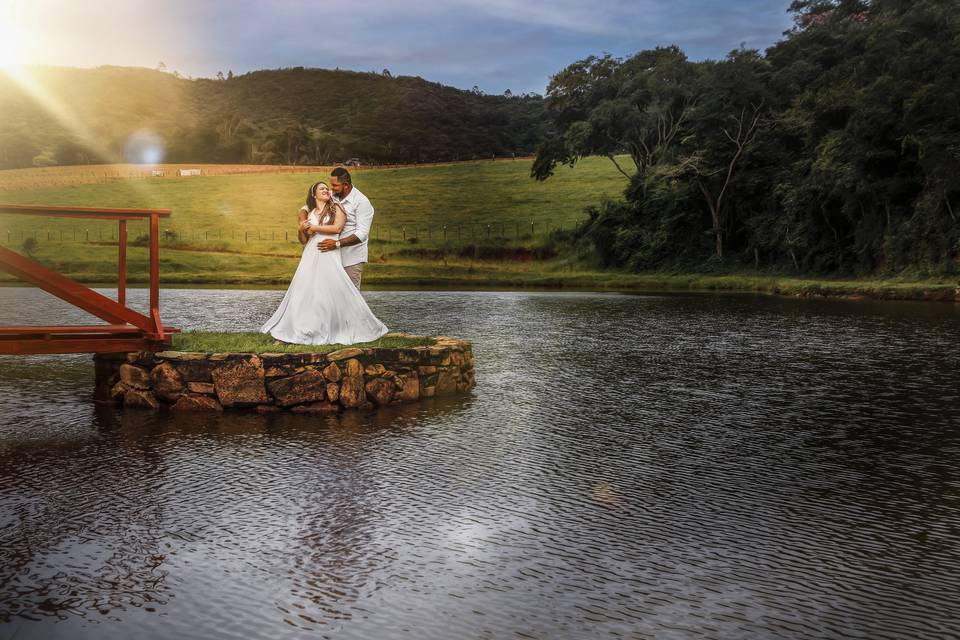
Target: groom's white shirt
359 219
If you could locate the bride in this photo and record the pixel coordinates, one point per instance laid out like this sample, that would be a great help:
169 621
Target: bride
322 305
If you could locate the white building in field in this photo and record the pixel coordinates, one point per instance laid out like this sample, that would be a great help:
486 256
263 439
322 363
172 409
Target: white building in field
188 172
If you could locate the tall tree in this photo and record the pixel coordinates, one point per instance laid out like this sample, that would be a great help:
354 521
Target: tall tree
606 106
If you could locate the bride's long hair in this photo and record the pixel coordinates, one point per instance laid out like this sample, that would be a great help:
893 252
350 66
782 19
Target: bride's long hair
329 209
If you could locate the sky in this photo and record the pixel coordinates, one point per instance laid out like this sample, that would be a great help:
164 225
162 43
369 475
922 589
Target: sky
493 44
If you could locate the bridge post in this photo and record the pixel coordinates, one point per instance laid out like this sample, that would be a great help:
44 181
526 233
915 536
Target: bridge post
122 266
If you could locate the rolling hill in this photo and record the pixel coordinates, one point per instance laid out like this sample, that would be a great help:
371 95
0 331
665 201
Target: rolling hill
66 116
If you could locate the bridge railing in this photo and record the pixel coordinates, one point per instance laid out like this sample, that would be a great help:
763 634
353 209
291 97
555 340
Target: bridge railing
128 330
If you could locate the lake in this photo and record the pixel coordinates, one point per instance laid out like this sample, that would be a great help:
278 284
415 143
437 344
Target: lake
628 466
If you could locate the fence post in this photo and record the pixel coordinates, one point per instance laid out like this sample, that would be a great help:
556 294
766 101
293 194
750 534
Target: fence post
404 234
488 232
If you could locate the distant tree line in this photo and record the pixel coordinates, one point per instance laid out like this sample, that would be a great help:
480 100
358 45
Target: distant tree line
286 116
836 151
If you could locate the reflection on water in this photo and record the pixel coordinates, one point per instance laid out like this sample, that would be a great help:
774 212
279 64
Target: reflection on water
628 466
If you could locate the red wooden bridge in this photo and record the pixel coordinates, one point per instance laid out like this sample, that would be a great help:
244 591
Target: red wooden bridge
126 329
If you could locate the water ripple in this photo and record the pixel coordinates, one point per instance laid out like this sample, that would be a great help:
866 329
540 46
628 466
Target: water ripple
671 466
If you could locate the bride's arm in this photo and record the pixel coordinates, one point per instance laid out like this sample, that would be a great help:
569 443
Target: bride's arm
302 235
340 219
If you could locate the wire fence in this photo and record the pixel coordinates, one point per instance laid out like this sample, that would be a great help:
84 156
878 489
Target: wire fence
455 233
39 177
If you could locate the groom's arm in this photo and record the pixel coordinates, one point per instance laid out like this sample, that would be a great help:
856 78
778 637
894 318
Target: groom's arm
362 232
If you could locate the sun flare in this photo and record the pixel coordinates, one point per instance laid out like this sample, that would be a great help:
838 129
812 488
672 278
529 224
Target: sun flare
11 42
44 99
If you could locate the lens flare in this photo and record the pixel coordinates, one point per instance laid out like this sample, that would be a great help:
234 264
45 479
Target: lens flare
144 147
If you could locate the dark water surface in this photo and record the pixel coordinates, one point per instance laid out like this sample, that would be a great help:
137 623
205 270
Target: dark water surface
671 466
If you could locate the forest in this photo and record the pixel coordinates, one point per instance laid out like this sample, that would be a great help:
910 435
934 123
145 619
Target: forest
67 116
836 151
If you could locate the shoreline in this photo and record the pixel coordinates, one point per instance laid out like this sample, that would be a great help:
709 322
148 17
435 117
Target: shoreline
613 282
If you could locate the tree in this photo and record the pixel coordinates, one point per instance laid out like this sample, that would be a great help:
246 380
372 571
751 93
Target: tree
17 148
605 106
836 152
733 102
70 152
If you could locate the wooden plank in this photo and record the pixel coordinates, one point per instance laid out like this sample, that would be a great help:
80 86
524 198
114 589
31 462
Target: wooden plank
104 344
91 328
122 263
34 330
158 332
155 272
82 212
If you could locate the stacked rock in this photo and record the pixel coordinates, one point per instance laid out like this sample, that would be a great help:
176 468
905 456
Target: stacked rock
350 378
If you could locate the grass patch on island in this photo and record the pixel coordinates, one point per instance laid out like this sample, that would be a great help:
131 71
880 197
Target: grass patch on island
251 342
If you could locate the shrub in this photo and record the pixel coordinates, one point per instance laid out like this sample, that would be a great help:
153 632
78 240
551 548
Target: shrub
29 246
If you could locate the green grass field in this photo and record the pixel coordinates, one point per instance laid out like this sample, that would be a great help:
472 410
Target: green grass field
216 210
239 230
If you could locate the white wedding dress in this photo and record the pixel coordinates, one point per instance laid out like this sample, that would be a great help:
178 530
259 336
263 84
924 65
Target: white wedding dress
322 306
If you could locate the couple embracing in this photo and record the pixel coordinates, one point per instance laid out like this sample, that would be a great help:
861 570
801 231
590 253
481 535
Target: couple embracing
323 304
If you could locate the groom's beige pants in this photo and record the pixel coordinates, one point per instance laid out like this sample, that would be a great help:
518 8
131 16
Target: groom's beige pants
355 271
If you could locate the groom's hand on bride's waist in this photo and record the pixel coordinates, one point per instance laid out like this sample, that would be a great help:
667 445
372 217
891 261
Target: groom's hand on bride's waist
330 245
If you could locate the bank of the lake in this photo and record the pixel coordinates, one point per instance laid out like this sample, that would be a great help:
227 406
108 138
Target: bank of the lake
226 271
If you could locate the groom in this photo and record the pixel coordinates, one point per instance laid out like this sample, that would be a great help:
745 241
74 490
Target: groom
356 231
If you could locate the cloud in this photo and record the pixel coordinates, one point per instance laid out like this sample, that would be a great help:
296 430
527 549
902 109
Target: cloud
568 15
496 44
